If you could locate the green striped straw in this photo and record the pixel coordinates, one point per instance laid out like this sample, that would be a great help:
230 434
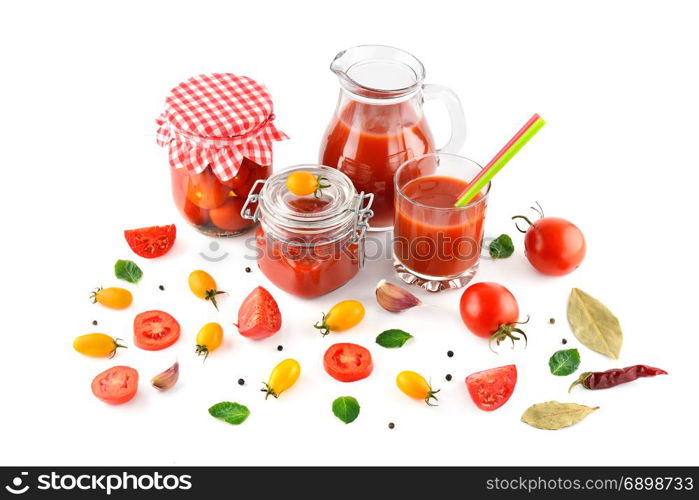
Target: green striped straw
500 160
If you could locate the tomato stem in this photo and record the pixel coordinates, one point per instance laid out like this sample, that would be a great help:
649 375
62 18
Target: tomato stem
319 189
431 395
537 209
117 345
526 219
211 296
93 295
506 332
202 349
269 391
323 326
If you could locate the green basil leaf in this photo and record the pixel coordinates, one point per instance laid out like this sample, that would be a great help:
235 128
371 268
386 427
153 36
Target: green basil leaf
233 413
564 362
128 271
393 338
346 408
501 247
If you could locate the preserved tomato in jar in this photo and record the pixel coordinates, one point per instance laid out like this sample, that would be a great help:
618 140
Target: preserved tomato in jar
309 245
219 131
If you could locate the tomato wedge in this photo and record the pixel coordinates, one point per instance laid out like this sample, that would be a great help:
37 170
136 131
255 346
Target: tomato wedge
259 316
151 242
116 385
155 330
348 362
490 389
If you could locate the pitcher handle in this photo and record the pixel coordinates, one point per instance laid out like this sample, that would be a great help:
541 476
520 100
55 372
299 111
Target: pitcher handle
456 115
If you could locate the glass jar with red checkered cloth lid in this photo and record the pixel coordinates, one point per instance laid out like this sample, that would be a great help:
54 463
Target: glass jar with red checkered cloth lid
219 130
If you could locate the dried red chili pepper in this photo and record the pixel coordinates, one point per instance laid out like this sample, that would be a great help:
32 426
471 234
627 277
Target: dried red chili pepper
616 376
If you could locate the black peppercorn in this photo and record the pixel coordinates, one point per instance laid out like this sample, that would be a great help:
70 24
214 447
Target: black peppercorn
552 321
161 287
241 381
280 348
448 377
450 354
94 322
391 425
247 270
564 341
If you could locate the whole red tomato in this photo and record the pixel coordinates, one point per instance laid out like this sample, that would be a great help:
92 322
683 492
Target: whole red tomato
490 310
228 217
554 246
205 190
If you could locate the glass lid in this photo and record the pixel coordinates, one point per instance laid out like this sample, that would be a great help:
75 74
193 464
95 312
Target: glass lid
333 207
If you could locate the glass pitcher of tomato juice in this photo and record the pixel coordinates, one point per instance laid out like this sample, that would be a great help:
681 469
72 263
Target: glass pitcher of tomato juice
379 124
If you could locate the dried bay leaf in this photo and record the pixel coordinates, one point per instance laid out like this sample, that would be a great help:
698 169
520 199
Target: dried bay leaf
554 415
593 324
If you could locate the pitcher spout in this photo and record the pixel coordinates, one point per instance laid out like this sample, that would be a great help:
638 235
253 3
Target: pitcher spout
378 71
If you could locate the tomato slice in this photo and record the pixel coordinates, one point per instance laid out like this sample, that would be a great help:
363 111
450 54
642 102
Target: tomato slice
348 362
259 316
155 330
116 385
151 242
490 389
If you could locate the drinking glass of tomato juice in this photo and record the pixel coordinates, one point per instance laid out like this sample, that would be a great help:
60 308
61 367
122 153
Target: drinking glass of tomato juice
436 245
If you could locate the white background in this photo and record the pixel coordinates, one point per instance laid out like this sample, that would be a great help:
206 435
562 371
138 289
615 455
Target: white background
80 88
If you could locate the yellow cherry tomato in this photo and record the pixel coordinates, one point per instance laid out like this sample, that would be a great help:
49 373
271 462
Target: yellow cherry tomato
283 376
114 298
209 339
98 345
414 385
204 286
343 316
301 183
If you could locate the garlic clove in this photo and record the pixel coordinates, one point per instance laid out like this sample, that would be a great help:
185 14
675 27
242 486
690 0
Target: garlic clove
394 298
165 380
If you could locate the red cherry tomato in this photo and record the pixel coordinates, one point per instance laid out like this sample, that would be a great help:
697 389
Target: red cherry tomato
490 389
116 385
241 177
486 306
348 362
554 246
205 190
155 330
227 216
490 310
194 214
151 242
259 316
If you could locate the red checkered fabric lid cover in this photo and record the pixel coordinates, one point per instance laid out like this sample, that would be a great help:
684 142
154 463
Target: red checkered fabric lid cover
218 119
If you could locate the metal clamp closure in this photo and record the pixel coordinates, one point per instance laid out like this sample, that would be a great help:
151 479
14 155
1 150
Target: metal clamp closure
253 197
362 214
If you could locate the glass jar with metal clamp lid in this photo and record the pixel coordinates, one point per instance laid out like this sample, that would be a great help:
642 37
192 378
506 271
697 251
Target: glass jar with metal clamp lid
309 245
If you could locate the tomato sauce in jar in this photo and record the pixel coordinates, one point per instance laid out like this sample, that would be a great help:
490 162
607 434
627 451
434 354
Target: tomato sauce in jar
309 246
